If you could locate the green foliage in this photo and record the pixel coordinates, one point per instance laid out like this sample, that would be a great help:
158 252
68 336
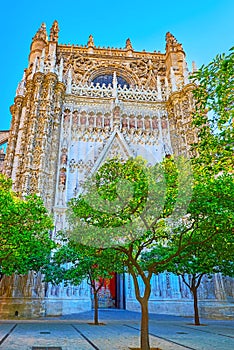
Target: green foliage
153 224
213 256
117 191
126 199
214 115
24 232
207 246
163 220
215 90
73 262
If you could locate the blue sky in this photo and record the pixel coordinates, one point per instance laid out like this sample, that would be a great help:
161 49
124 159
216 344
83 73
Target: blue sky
204 27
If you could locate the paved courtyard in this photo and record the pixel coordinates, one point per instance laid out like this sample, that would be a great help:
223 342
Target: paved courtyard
120 330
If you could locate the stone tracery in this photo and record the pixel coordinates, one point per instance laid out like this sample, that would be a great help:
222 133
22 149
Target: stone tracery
64 127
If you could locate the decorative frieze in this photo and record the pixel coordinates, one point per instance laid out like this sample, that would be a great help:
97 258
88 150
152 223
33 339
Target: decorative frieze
66 122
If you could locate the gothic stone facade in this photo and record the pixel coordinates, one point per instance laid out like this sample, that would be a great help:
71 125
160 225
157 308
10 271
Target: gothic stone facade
77 106
4 135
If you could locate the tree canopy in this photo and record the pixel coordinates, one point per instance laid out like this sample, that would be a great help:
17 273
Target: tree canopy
72 262
213 256
214 114
125 199
157 209
25 243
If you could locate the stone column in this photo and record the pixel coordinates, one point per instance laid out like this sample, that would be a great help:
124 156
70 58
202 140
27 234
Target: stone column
16 111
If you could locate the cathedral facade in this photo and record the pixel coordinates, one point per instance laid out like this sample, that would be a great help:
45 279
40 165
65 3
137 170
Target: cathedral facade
75 107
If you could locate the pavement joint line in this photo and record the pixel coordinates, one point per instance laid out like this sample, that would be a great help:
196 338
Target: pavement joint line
166 339
202 330
7 335
86 338
224 335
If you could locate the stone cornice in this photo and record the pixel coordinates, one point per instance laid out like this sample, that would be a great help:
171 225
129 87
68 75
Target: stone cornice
113 52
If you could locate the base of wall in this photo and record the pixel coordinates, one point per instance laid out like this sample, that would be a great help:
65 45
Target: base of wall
30 308
15 308
217 310
59 307
207 308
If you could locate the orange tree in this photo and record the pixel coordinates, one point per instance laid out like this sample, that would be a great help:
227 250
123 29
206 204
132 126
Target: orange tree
215 255
133 208
214 115
206 259
72 262
25 243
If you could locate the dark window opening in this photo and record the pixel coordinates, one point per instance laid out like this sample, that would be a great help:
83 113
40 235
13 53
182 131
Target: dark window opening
108 79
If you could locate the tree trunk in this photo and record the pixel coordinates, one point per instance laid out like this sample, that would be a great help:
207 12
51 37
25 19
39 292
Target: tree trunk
195 306
144 324
95 293
143 300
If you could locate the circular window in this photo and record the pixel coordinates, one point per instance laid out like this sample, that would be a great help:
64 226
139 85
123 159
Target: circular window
108 79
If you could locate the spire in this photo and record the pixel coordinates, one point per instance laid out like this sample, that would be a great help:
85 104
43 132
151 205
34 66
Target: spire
171 42
42 60
21 87
128 45
54 30
69 81
52 60
194 67
90 41
170 39
186 73
115 87
39 42
166 87
159 88
35 66
41 34
173 80
61 70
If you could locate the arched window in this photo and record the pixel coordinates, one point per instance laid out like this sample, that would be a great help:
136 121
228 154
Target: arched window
108 79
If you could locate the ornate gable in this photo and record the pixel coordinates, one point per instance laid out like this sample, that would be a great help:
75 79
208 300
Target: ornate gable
115 147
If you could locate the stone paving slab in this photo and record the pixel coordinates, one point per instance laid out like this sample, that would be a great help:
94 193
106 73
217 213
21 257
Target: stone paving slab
119 332
25 336
4 329
110 337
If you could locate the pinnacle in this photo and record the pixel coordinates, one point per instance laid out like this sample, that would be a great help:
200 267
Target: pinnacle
170 38
128 44
41 33
90 41
54 30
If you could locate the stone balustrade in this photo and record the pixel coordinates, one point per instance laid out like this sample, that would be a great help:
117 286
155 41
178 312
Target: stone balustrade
120 93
